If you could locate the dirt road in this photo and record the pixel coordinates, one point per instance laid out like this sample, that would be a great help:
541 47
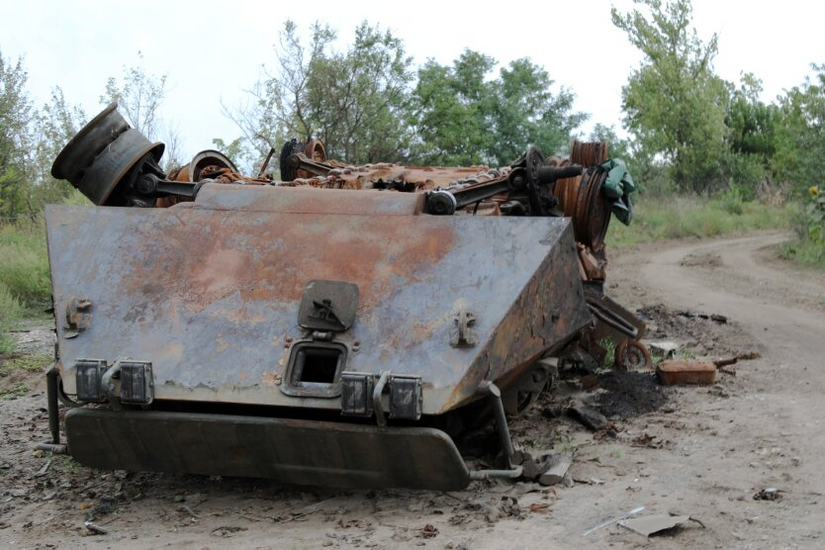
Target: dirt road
705 452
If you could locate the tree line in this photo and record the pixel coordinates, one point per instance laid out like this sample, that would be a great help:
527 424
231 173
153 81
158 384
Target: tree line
689 129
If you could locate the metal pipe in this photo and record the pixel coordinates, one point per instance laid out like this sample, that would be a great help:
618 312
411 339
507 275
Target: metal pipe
501 420
51 403
265 165
56 449
377 405
488 474
108 386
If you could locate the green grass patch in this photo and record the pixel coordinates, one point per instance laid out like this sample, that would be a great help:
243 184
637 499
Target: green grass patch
25 283
65 464
17 390
678 217
10 313
32 363
804 251
24 271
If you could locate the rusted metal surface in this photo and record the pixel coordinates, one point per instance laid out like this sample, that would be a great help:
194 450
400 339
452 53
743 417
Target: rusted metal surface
679 372
588 154
302 452
429 289
232 298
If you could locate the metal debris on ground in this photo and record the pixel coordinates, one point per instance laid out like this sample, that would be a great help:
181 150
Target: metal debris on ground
771 493
664 348
95 529
682 372
629 514
721 319
652 525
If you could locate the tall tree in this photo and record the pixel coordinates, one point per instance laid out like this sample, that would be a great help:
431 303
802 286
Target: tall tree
354 100
140 95
463 116
16 115
527 111
674 102
55 124
800 140
453 111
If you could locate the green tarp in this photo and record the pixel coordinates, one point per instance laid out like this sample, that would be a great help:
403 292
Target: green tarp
617 188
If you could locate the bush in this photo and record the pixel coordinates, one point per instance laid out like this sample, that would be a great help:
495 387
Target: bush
809 248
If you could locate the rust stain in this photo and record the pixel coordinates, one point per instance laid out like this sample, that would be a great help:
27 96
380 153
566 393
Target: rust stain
272 258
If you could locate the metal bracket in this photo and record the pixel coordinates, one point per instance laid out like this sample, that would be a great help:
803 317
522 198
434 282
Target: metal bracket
463 336
52 379
78 317
377 404
503 430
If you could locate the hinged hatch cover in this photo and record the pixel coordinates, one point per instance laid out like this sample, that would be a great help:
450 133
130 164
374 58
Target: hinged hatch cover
328 305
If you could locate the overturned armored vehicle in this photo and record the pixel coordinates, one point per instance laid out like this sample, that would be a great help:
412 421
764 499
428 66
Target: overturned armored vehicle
303 331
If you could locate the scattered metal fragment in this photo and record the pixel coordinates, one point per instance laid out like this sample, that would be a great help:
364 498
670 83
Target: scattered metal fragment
664 348
771 493
95 529
45 468
721 319
651 525
629 514
679 372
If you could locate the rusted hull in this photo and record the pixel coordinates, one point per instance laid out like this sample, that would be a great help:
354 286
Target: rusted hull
208 292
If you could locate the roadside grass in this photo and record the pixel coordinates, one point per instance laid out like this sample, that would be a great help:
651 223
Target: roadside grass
24 271
10 313
678 216
19 389
803 250
32 362
25 284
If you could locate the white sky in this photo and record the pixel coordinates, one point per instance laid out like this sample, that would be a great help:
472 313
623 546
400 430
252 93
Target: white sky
213 50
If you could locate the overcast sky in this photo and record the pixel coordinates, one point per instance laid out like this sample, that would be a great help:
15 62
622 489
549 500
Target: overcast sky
212 50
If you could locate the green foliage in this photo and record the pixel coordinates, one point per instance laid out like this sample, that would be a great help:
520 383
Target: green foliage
815 215
464 117
452 107
10 312
29 363
610 352
139 95
24 272
810 228
752 124
673 103
354 100
801 135
16 114
731 201
19 389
